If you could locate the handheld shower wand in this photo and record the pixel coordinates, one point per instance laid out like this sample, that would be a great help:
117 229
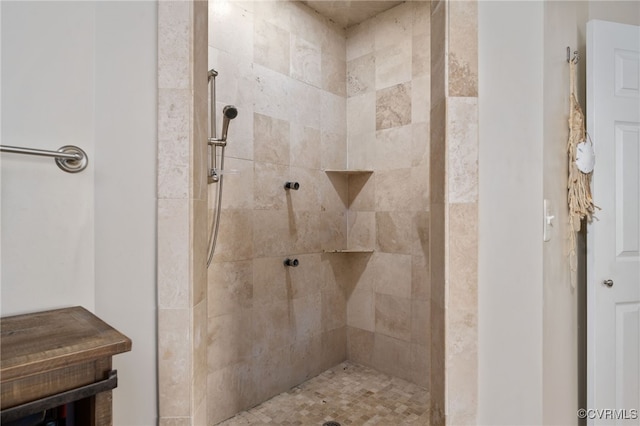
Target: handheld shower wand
228 113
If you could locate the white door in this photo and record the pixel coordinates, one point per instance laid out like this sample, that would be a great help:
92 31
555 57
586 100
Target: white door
613 247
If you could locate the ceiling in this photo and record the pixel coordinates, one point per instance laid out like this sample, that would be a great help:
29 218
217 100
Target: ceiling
347 13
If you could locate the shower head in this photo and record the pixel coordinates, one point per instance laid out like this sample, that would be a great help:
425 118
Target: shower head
228 113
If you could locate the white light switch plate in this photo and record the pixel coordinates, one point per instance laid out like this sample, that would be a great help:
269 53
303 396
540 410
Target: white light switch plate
548 218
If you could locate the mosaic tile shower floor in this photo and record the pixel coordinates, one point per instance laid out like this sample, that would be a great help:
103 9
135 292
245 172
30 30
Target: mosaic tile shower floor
350 394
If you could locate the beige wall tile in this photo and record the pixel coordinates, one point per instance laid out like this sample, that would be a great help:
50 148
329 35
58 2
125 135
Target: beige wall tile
304 360
272 327
238 185
393 274
173 167
305 147
271 46
420 144
420 277
420 100
230 287
393 106
361 115
334 73
361 230
173 254
307 314
334 347
421 55
437 379
393 26
420 188
229 389
438 45
362 153
313 106
175 421
392 356
305 230
393 148
307 279
421 17
200 350
438 153
333 230
462 141
393 316
360 40
309 196
277 13
335 190
273 234
393 65
334 150
394 232
272 93
307 23
229 246
333 110
361 310
269 280
463 48
389 193
230 339
174 37
305 61
268 186
271 139
334 313
362 196
174 353
420 364
361 75
463 256
360 344
235 83
234 29
420 315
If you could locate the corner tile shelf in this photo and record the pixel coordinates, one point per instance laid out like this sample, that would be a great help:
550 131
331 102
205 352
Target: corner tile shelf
349 251
349 172
346 173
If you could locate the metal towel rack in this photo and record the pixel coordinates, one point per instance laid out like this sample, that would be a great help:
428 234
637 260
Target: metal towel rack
69 158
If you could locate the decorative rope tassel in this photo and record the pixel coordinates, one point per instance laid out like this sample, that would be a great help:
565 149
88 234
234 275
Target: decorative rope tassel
579 184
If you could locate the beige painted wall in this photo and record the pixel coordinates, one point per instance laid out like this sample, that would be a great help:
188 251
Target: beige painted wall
564 25
83 73
510 239
548 378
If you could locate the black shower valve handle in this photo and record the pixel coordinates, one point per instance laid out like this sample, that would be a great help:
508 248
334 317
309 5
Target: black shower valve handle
292 185
291 262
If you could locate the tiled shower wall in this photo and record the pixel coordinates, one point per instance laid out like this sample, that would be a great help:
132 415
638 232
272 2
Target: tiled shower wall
303 86
272 327
454 213
182 211
388 86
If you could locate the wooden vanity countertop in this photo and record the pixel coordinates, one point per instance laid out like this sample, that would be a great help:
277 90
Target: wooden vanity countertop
44 341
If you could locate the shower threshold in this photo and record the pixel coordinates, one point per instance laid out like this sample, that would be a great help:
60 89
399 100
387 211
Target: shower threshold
349 394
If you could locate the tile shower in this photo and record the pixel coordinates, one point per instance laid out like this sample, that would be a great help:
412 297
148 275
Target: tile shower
312 96
410 303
